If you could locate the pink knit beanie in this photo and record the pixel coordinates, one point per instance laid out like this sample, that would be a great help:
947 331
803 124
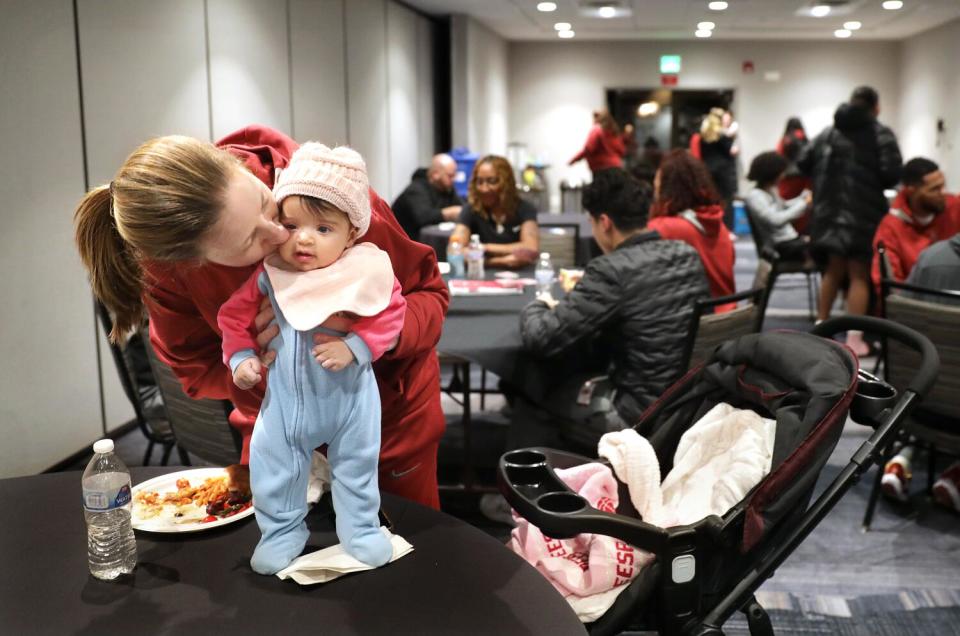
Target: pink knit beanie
335 175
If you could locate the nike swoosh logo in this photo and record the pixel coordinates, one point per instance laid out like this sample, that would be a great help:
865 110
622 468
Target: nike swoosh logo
398 474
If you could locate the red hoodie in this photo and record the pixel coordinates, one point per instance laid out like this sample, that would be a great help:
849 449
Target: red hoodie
183 300
904 238
704 230
602 150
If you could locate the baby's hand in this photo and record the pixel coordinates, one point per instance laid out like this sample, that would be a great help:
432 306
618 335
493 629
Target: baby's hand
248 373
334 355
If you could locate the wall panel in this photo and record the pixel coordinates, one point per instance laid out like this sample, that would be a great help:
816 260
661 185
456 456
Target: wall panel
249 65
49 399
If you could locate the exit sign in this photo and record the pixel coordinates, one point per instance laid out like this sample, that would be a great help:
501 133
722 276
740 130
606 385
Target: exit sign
669 64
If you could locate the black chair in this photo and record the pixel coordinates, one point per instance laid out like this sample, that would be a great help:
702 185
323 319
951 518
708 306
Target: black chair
140 388
778 266
935 423
708 328
200 426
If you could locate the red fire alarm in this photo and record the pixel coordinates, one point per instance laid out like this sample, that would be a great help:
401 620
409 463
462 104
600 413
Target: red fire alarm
748 67
668 80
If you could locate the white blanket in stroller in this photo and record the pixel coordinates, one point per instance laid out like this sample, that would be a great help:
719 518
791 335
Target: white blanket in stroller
718 460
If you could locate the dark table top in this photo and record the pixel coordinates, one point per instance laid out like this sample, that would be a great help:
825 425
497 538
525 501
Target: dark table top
436 237
457 580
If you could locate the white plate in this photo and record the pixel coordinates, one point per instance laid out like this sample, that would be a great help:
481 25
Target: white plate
168 483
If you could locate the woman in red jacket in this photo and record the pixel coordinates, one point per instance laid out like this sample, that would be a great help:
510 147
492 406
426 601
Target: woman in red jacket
605 145
687 208
184 223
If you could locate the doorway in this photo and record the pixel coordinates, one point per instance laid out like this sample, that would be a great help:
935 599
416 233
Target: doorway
667 116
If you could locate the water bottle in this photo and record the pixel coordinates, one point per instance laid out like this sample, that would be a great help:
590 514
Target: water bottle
544 274
111 546
475 258
455 259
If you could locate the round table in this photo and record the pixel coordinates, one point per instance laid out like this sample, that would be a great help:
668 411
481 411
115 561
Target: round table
457 580
436 236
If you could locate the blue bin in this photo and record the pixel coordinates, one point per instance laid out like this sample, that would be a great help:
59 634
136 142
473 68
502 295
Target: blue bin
741 225
466 160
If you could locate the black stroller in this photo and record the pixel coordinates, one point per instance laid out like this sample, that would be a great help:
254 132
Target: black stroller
706 571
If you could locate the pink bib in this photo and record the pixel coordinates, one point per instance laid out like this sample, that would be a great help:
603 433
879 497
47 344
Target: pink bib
360 282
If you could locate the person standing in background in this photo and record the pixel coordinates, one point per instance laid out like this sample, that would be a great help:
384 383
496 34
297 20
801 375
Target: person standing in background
716 147
851 164
430 197
606 144
794 182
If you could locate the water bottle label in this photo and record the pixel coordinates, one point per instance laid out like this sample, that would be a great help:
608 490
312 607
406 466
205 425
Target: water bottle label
544 277
97 500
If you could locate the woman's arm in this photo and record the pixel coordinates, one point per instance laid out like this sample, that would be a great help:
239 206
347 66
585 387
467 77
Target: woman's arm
236 317
517 254
764 207
461 234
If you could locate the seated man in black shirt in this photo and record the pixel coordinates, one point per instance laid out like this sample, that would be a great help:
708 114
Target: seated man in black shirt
430 197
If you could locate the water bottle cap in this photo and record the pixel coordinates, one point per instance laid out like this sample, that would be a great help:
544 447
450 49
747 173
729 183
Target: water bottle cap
103 446
544 254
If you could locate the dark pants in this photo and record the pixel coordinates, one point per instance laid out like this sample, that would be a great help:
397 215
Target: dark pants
561 422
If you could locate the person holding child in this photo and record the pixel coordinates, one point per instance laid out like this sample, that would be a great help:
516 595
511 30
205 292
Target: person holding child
185 223
320 279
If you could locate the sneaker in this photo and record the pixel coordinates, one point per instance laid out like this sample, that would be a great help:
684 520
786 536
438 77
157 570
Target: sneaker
896 478
946 490
494 507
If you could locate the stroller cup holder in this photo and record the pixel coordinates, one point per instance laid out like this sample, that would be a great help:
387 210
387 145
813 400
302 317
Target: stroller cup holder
872 399
530 486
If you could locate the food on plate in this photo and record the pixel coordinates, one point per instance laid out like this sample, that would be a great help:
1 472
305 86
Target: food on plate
201 503
569 278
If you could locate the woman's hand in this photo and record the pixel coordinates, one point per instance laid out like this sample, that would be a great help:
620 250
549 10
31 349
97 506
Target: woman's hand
266 331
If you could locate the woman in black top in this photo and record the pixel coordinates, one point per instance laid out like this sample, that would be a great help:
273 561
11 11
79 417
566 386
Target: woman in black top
507 225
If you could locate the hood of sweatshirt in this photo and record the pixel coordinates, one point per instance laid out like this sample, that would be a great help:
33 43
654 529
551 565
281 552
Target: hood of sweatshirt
710 218
850 117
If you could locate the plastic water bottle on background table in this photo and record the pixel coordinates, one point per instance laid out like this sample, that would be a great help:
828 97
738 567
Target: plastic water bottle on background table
111 546
475 258
544 274
455 259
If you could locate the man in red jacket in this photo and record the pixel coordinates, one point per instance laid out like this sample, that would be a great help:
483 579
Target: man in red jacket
184 298
920 216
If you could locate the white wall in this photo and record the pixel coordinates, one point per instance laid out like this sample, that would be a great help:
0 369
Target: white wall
554 87
480 78
49 396
930 81
195 67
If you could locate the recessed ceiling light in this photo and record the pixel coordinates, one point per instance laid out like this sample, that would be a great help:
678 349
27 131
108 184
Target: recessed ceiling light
706 26
892 5
842 33
717 5
852 26
607 12
820 10
546 7
566 35
562 26
703 33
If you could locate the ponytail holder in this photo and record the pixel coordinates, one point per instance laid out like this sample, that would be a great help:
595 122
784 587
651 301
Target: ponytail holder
111 198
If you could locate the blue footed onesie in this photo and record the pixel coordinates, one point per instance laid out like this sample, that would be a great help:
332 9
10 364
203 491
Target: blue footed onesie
306 406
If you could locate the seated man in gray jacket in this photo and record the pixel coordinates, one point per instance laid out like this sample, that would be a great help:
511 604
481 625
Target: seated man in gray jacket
634 303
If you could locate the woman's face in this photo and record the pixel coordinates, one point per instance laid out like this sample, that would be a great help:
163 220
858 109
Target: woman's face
488 185
248 228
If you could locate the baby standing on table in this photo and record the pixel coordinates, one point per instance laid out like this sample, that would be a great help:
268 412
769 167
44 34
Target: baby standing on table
319 280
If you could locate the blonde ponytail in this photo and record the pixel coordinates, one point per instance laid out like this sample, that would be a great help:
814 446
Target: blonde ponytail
115 274
160 206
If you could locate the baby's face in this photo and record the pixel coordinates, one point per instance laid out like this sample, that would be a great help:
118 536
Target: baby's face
316 241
